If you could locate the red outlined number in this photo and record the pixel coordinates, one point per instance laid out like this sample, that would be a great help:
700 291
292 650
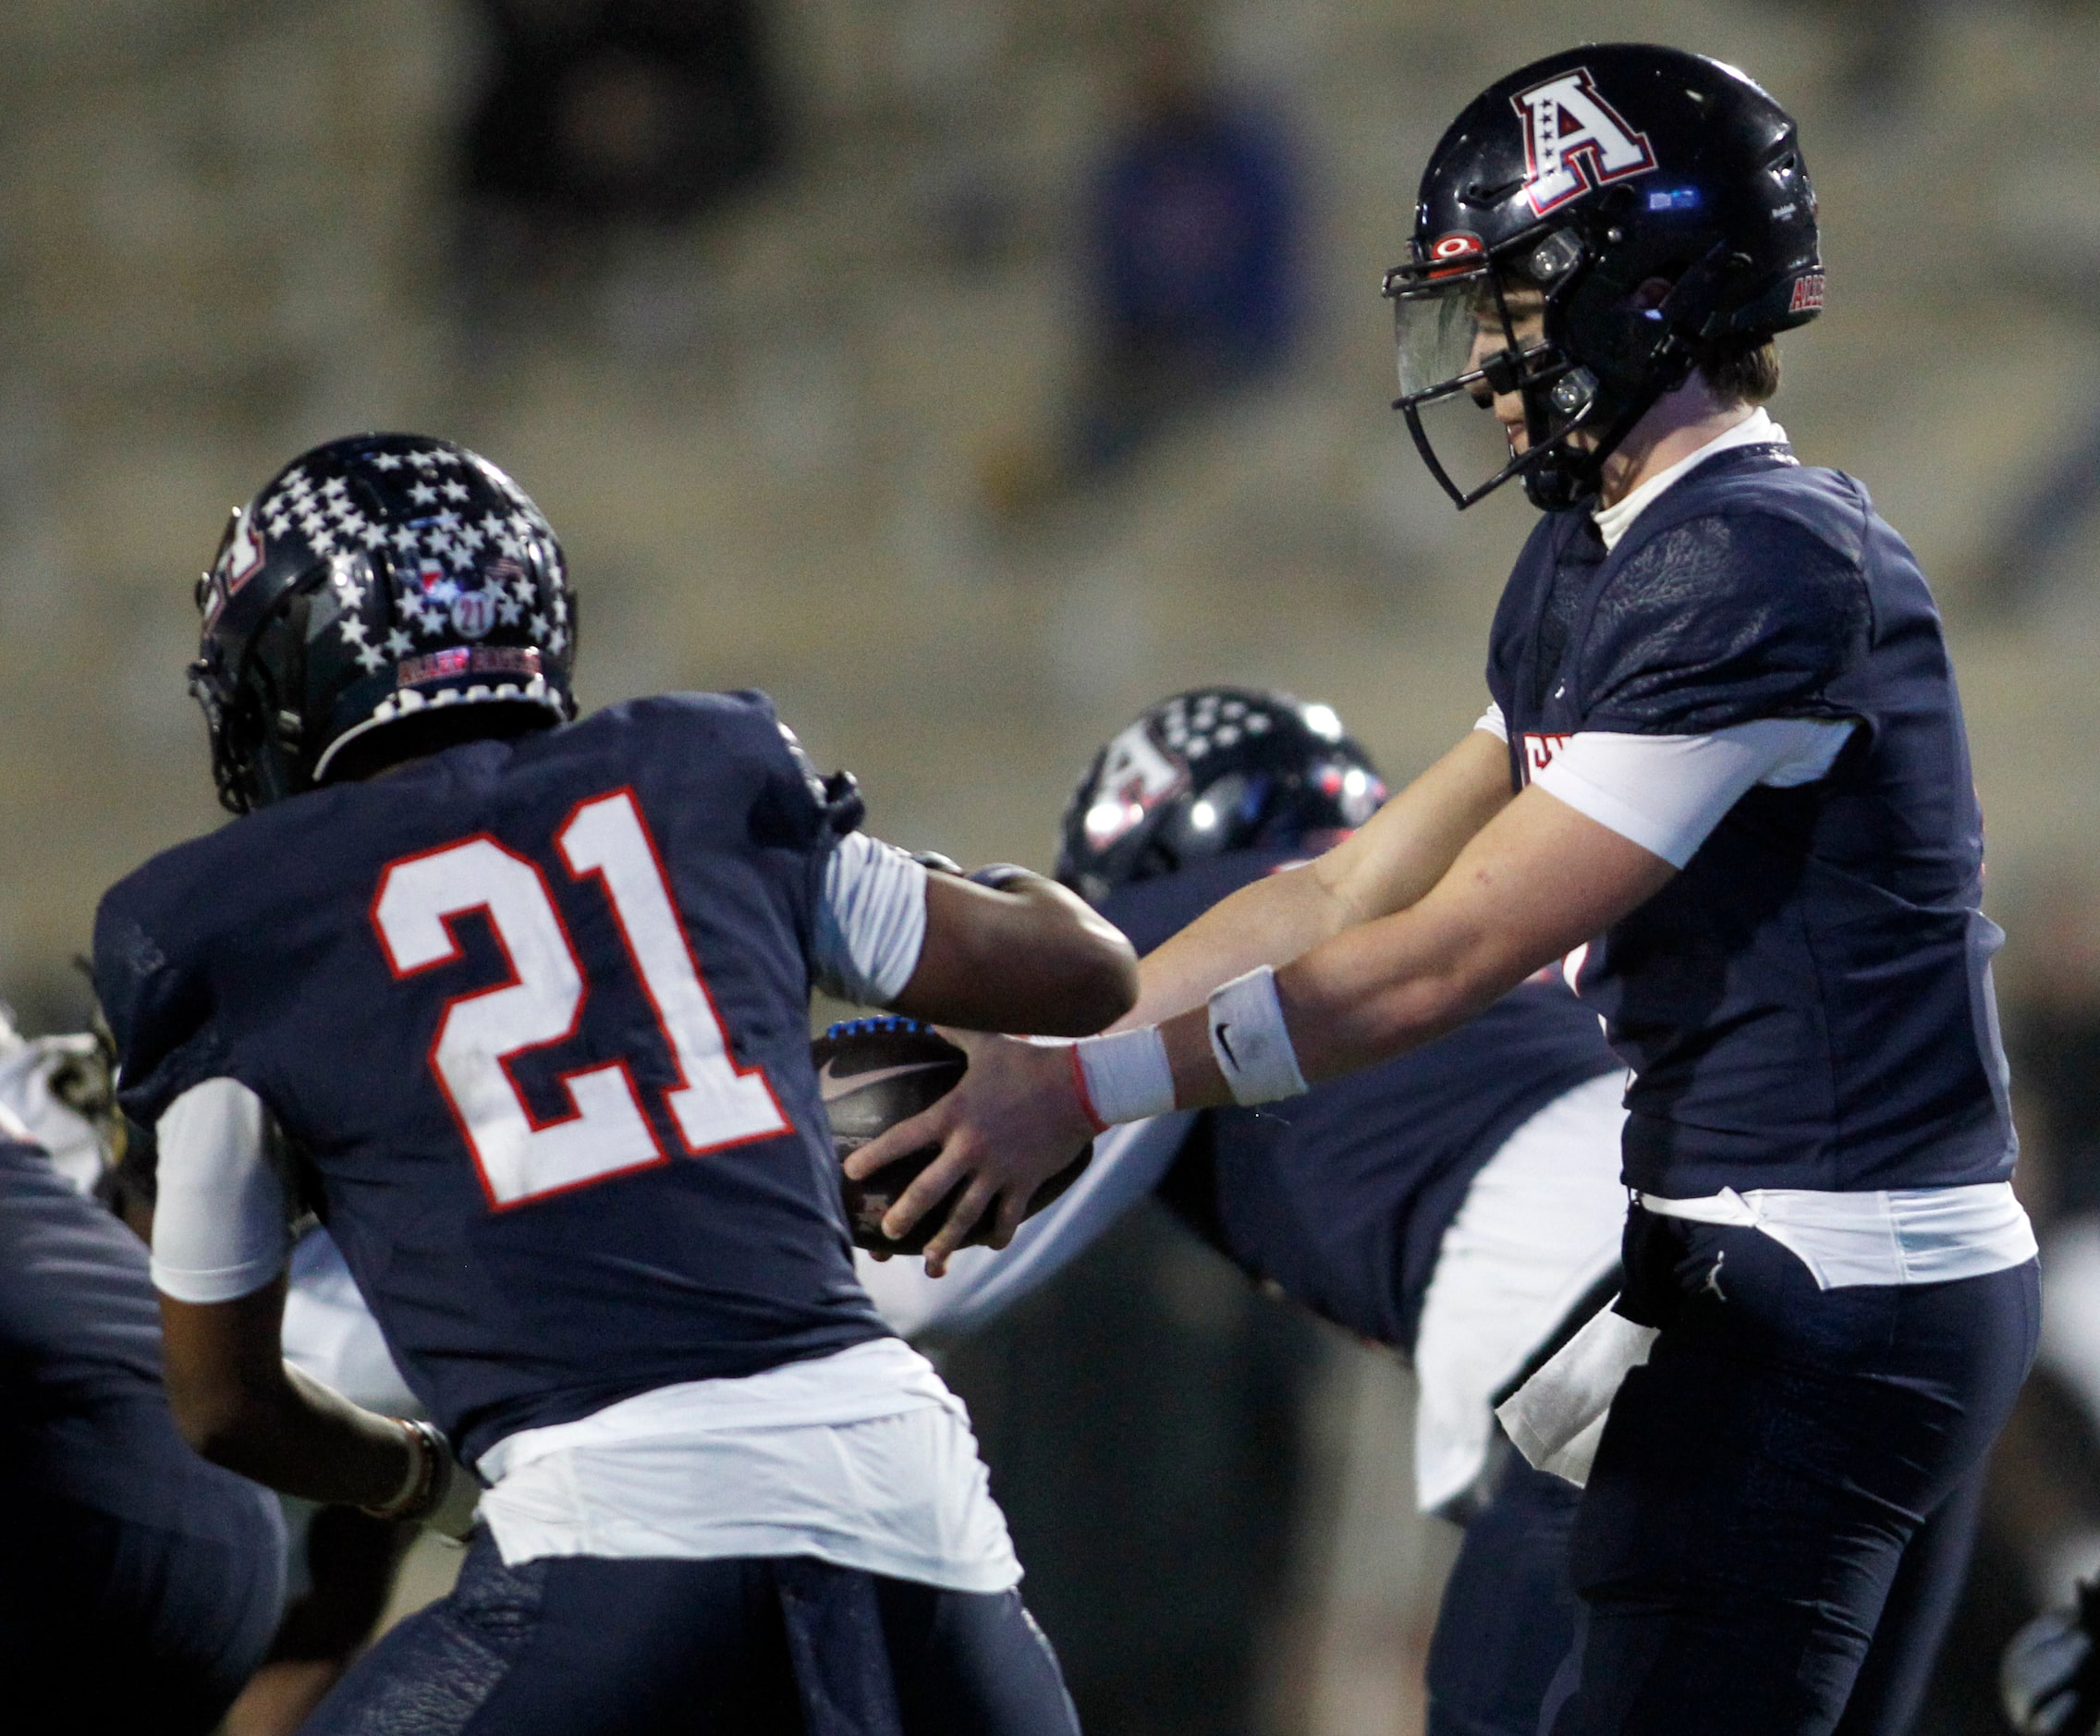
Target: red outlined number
714 1104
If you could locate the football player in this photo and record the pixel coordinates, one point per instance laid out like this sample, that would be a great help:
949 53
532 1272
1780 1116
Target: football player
139 1586
1725 764
524 998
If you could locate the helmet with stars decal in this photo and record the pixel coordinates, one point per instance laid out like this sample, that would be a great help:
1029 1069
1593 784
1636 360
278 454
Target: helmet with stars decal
1209 771
373 580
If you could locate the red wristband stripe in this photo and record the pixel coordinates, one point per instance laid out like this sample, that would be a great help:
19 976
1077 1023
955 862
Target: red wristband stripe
1085 1097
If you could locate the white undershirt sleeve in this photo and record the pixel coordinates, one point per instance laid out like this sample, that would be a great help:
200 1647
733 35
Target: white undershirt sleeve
219 1228
1665 793
1493 721
870 921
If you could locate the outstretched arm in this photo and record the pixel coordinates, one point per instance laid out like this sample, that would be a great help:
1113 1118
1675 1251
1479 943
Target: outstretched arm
1023 956
1537 880
1391 861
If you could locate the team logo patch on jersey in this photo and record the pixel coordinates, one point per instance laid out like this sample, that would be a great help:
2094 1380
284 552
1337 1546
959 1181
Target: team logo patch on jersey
1575 141
1137 775
1539 749
1808 293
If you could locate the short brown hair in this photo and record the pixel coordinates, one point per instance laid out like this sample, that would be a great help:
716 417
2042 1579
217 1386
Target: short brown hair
1742 369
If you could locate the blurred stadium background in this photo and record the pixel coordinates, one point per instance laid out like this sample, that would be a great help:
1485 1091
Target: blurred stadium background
792 315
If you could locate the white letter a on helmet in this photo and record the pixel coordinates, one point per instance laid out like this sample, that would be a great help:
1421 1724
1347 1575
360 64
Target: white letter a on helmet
1574 140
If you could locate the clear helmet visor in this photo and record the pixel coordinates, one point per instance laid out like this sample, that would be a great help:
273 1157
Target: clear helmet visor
1479 383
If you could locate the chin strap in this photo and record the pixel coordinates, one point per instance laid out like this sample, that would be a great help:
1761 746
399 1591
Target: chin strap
1567 474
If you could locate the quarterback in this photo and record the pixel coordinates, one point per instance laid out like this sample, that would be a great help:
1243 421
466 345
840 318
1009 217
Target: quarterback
1722 773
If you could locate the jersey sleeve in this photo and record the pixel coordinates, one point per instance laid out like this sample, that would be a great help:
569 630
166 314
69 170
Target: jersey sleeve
1665 793
219 1228
158 1004
871 924
1719 621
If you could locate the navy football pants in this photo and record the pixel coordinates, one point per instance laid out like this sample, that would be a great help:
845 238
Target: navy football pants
1506 1628
1761 1477
768 1647
108 1624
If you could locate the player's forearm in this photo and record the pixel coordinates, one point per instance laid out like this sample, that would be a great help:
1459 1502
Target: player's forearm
1540 879
241 1406
1394 861
1027 956
1357 999
1269 921
302 1439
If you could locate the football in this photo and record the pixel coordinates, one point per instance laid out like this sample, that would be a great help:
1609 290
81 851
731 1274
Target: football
875 1073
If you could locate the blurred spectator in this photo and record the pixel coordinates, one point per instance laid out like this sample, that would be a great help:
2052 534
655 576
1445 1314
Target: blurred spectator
1193 222
611 109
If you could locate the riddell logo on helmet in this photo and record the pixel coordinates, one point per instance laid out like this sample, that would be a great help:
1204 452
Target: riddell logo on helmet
1575 141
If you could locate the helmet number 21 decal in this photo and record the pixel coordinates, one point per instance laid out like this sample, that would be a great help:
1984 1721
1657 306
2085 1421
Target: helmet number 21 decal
714 1102
1575 141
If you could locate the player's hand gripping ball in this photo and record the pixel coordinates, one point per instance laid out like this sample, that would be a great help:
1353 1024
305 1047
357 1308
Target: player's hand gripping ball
875 1073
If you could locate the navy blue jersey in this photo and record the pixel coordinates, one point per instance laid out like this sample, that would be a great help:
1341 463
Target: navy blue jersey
537 1013
1808 1003
1341 1197
83 1417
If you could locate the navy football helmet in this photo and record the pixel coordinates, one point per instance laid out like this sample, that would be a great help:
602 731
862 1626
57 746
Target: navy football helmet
375 580
1554 196
1208 771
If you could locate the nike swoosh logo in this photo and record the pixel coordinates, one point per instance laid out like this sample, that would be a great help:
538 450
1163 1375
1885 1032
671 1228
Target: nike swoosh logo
833 1084
1224 1044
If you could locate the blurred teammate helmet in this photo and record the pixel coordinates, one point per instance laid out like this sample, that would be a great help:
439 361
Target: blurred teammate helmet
1556 194
374 580
1208 771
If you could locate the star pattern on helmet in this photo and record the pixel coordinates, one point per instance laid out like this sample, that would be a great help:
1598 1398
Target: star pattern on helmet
475 514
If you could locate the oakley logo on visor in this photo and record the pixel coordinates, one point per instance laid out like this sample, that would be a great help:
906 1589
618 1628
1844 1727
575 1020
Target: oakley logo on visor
1575 141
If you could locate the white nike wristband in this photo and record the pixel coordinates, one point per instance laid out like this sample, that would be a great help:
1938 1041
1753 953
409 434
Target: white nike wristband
1123 1078
1251 1041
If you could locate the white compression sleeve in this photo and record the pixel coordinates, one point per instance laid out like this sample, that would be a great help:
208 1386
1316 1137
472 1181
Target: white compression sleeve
1493 721
870 922
1665 793
219 1227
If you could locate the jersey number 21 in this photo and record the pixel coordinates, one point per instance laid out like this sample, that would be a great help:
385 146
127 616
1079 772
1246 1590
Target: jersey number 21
714 1102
